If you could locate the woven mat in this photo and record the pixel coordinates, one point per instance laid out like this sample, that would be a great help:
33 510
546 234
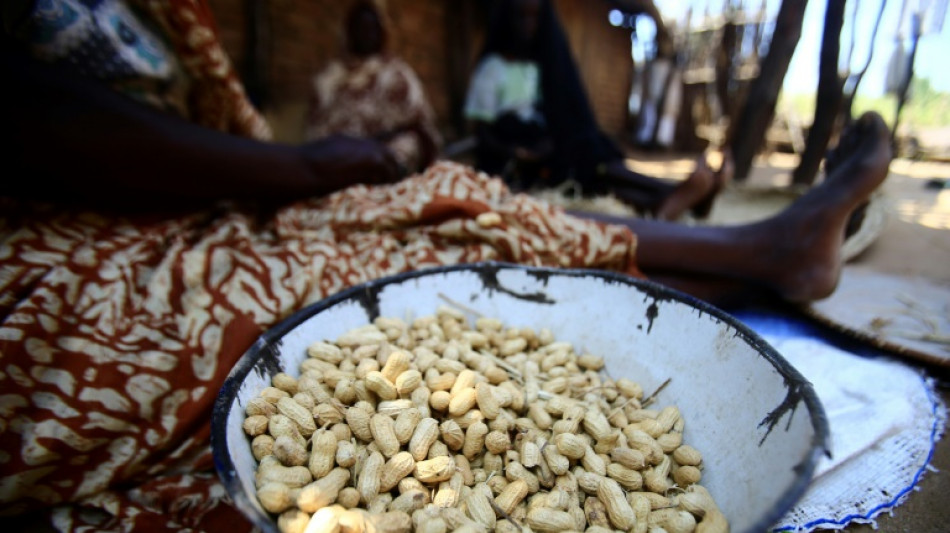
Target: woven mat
907 316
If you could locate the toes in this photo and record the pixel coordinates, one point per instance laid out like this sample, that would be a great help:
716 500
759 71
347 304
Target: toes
872 121
851 139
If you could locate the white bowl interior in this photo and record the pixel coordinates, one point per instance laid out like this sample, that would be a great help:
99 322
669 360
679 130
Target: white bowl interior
754 418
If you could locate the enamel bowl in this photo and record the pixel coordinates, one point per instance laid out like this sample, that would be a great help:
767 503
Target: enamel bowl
756 420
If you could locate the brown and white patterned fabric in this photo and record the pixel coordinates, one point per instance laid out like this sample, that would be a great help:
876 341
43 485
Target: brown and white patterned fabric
380 97
217 97
116 332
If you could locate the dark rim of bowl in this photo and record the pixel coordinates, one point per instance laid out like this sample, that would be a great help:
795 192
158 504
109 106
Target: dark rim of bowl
367 292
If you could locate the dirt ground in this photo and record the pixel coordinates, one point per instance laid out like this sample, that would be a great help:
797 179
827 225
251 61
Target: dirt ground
914 241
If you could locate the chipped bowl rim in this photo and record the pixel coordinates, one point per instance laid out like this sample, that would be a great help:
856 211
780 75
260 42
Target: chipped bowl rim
367 294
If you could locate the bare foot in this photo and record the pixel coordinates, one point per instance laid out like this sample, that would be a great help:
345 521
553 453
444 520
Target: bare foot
689 193
721 180
834 157
803 243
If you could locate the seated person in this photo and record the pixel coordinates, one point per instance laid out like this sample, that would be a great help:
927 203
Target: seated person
535 127
142 254
370 93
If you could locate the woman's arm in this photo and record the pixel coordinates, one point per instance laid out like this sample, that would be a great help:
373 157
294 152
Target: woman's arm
76 137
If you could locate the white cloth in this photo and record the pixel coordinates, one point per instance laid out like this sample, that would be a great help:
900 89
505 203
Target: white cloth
884 419
500 86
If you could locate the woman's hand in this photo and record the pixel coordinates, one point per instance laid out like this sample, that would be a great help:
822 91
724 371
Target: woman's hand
338 162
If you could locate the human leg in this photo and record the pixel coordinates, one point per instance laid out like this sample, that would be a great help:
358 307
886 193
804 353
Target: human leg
721 179
795 254
643 193
665 200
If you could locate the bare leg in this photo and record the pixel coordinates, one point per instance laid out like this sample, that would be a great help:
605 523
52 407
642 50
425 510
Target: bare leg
643 193
795 254
668 201
697 189
721 180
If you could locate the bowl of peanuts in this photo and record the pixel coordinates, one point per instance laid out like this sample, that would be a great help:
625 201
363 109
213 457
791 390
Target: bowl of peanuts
500 397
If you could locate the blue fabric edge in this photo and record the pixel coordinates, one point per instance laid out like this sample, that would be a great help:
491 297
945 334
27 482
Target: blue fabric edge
935 435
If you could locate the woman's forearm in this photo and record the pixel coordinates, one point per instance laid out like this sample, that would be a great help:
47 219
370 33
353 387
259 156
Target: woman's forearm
78 137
